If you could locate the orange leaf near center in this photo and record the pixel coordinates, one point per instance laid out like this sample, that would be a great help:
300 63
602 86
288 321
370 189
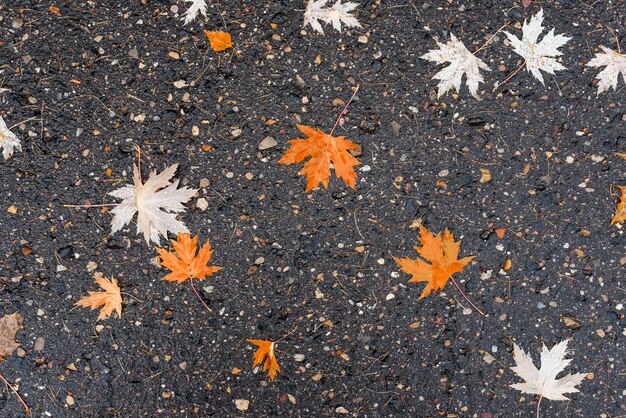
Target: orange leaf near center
323 149
441 253
219 40
184 262
266 352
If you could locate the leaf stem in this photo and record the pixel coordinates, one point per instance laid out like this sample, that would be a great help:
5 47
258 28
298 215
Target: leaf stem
92 206
345 108
466 298
199 297
539 403
16 394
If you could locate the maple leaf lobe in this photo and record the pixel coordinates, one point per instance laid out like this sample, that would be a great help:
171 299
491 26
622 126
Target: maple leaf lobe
9 142
620 208
337 14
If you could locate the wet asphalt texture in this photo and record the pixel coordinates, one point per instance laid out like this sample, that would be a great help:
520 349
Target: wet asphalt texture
89 84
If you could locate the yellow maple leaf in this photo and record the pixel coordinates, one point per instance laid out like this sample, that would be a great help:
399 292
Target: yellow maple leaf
110 299
219 40
441 253
323 149
266 352
184 263
620 208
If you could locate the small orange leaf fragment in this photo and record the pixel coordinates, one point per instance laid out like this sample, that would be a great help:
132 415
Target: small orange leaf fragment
507 264
55 10
323 150
266 352
219 40
184 262
110 299
500 232
620 209
442 253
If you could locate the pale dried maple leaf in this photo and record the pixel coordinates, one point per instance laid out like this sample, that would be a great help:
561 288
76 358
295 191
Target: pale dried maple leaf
110 299
337 14
266 352
543 381
462 61
9 326
323 149
538 55
185 263
156 203
615 64
197 7
8 140
441 253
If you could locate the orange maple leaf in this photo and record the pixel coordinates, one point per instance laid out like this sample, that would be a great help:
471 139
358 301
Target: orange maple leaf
323 149
184 263
110 299
620 209
266 352
219 40
442 253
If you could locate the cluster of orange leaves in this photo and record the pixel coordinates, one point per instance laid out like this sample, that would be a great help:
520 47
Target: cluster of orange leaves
185 262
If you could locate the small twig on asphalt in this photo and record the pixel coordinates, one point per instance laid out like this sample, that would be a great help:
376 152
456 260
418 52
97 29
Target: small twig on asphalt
509 76
466 298
343 112
619 49
199 297
490 39
16 394
286 335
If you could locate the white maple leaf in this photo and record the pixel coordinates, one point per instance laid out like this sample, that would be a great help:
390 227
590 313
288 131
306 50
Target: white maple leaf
156 203
538 55
462 61
8 141
615 64
336 15
543 382
197 6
